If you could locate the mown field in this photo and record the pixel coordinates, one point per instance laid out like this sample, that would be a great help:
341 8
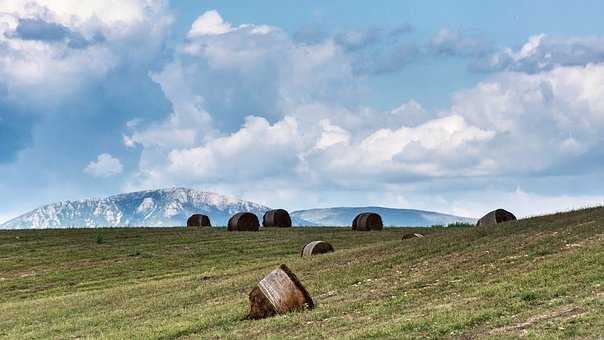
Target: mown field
541 277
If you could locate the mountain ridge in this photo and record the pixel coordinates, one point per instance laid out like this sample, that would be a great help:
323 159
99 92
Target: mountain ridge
172 207
160 207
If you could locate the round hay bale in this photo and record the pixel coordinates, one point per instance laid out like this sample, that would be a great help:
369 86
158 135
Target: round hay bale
316 247
355 221
411 235
278 293
496 217
198 220
276 218
367 221
243 221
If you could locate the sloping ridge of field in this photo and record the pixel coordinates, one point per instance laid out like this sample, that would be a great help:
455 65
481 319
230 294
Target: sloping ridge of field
541 277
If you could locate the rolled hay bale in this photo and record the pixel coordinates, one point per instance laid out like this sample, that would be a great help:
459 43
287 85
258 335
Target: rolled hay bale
411 235
279 292
496 217
276 218
198 220
243 221
367 221
316 247
355 221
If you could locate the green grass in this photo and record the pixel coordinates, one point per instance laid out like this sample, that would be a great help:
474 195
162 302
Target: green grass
541 278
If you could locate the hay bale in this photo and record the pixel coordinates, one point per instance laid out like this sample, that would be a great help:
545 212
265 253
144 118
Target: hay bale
411 235
243 221
367 221
276 218
198 220
496 217
279 292
355 221
316 247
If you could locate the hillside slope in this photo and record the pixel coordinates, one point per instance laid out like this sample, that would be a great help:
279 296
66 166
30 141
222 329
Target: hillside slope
540 277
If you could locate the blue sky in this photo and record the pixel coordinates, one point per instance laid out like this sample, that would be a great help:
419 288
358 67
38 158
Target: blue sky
453 106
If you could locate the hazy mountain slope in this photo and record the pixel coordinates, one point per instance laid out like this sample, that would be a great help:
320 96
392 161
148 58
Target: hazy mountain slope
342 216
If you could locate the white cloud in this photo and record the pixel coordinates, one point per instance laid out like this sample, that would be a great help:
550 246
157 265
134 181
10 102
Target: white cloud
104 166
425 150
102 34
457 43
258 149
251 109
534 115
543 53
76 11
56 56
527 118
331 135
209 23
410 113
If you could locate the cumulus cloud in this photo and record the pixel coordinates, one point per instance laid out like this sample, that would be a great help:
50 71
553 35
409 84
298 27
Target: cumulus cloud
541 121
306 125
357 39
36 29
104 166
209 23
54 53
544 53
70 78
387 60
535 115
244 108
331 135
372 51
258 149
45 41
452 42
40 30
426 150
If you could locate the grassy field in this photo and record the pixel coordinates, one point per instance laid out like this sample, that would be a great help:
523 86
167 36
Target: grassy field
541 277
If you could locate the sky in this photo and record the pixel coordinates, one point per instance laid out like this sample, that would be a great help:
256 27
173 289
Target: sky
453 106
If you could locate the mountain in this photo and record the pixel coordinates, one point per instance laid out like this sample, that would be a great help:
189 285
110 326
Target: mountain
153 208
342 216
172 207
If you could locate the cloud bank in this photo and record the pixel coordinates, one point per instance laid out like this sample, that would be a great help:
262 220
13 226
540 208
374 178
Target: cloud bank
302 124
252 110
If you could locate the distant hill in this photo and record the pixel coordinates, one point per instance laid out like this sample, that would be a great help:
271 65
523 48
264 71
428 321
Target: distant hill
342 216
172 207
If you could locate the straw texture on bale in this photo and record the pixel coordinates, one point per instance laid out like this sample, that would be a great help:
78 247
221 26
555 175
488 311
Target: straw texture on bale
243 221
316 247
277 218
367 221
496 217
279 292
198 220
